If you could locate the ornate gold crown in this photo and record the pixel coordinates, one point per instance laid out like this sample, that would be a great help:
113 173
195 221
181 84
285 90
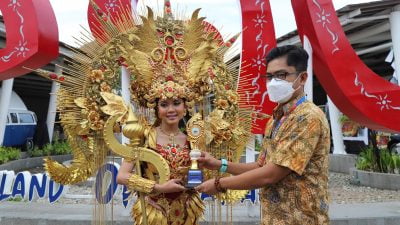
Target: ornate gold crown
172 58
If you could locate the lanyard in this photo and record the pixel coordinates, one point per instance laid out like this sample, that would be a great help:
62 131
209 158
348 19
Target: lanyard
277 124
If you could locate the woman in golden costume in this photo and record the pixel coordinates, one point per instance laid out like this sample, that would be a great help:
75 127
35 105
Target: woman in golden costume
170 202
174 66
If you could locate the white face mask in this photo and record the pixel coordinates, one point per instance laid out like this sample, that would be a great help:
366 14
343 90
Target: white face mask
280 91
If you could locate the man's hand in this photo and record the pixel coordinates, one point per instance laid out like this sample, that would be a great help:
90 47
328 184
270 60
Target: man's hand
208 162
207 187
174 185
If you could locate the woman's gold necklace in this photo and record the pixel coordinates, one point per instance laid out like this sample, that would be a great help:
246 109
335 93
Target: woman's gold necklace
171 137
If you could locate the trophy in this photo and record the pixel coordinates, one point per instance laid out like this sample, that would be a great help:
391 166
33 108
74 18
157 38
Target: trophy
195 131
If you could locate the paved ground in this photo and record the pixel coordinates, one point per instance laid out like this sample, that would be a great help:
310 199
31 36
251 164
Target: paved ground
350 205
19 213
340 190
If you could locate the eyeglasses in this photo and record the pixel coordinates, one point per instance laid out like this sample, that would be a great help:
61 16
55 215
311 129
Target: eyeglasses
279 75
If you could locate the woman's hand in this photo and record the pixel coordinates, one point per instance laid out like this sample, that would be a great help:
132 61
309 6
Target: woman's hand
174 185
208 162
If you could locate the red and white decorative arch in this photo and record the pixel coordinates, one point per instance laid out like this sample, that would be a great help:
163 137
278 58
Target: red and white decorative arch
355 89
258 39
31 36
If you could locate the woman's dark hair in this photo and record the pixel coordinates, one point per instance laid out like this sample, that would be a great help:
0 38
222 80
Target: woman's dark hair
295 56
158 120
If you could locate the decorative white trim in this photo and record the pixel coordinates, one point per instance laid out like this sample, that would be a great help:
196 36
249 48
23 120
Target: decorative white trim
7 58
14 4
112 5
323 18
21 49
259 61
381 100
259 21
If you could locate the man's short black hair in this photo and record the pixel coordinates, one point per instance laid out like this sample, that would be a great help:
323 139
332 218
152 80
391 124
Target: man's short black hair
296 56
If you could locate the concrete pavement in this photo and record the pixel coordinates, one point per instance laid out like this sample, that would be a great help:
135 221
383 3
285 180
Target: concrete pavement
25 213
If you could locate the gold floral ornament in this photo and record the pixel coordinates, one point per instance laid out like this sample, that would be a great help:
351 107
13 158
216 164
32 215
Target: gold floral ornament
232 97
115 105
223 104
96 76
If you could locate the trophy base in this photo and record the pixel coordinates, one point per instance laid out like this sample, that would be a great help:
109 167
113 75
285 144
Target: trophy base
194 178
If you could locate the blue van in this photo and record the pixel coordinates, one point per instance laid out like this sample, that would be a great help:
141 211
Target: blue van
21 125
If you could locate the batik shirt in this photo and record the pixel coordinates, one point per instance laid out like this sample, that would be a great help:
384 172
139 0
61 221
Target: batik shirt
301 143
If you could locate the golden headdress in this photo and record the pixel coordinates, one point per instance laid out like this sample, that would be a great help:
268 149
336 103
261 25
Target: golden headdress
173 59
166 58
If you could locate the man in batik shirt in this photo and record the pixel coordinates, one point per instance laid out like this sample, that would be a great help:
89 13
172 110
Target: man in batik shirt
292 170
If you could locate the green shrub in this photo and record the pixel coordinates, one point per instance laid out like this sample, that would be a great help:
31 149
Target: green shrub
36 152
3 158
13 153
47 149
366 160
8 154
387 165
396 162
389 162
16 199
57 148
61 148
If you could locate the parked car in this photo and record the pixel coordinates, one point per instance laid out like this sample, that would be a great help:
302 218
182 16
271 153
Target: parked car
20 128
21 125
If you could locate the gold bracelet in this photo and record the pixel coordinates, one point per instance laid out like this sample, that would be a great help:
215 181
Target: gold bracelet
140 184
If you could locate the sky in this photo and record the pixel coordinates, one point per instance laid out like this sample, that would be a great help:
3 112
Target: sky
224 14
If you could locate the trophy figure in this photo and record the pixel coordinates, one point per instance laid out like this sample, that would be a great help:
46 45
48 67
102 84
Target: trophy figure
195 131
